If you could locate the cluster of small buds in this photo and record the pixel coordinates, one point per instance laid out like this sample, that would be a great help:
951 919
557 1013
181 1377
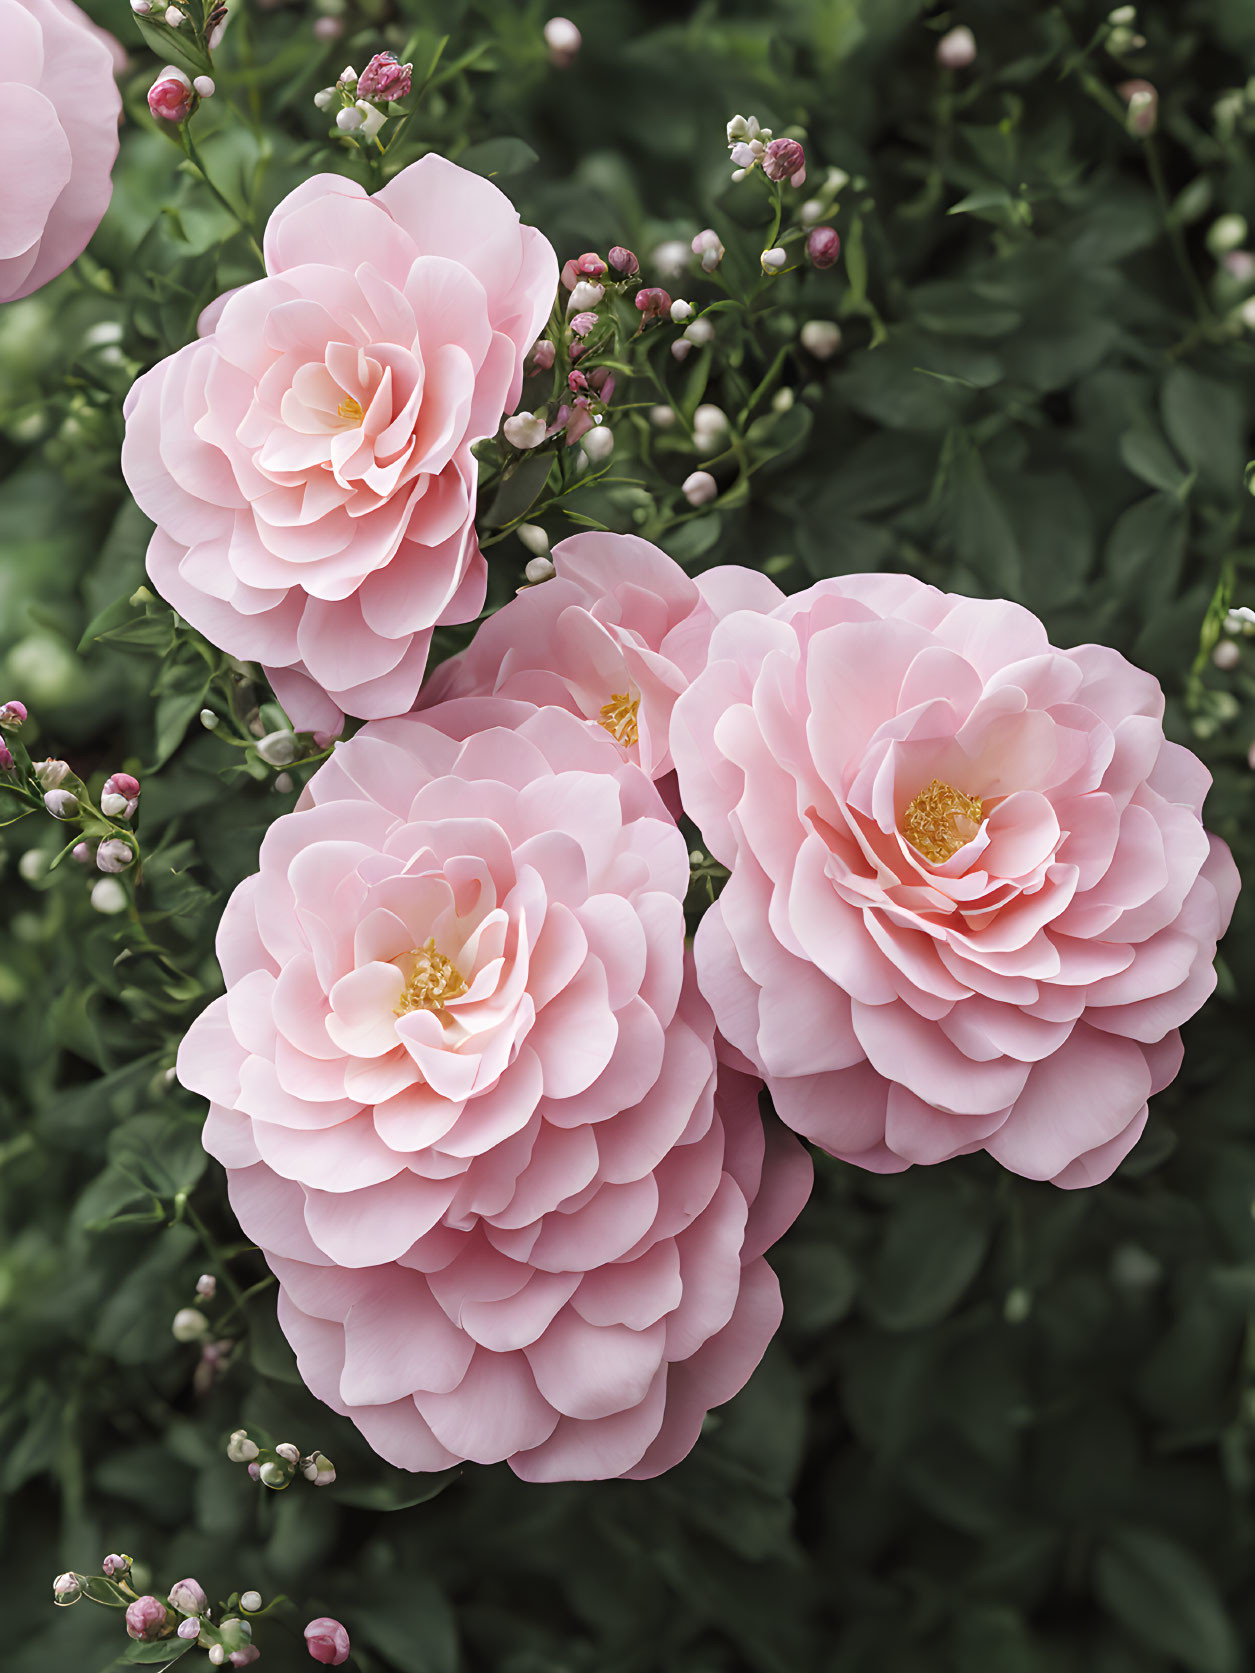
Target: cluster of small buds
747 142
120 796
276 1467
359 100
1141 100
327 1641
1123 37
563 40
957 48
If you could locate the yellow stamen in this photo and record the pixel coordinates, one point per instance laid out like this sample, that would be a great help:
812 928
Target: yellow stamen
350 410
940 820
618 716
433 980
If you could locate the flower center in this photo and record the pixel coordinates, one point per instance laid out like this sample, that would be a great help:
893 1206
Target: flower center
618 716
433 980
350 410
940 820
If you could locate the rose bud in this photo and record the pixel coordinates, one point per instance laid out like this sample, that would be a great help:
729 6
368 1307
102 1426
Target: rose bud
12 714
327 1641
699 488
653 302
147 1619
384 78
784 159
563 40
188 1597
823 246
170 96
623 261
114 853
66 1590
590 265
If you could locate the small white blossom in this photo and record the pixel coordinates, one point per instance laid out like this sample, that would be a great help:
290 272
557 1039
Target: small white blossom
348 120
957 49
773 260
699 488
372 118
820 337
326 98
205 86
681 311
534 539
700 332
108 896
174 16
278 749
584 298
250 1602
525 430
188 1324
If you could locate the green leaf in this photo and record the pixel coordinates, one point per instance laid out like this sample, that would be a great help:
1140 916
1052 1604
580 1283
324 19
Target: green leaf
1149 457
1165 1599
498 156
932 1251
1204 421
160 1654
400 1491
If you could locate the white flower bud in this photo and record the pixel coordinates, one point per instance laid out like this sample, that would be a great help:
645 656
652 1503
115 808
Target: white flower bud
205 86
108 896
208 719
525 430
217 1655
326 98
681 311
114 855
33 865
1226 233
240 1450
773 260
534 538
811 212
709 421
957 49
319 1469
699 488
662 418
584 298
681 349
348 76
820 337
1122 17
114 806
672 258
289 1453
188 1324
349 120
563 40
284 783
700 333
61 804
250 1602
539 569
173 16
1226 655
141 8
277 749
598 443
51 774
372 118
782 400
207 1286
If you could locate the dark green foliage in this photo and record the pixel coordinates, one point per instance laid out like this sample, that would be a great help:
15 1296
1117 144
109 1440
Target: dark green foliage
1004 1429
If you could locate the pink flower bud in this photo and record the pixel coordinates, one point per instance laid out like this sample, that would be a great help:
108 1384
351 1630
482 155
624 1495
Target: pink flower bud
327 1641
190 1628
623 261
147 1619
542 356
563 40
12 714
699 488
590 265
1142 99
250 1652
207 1286
188 1597
576 382
653 302
784 159
254 1471
570 274
681 349
582 324
170 96
66 1590
384 79
81 852
328 28
114 854
6 757
823 246
580 421
709 248
601 382
115 1565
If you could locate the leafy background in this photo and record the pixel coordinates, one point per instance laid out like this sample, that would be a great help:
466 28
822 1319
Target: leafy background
1003 1428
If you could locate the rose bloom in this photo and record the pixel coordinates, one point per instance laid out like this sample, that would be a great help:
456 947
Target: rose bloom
467 1095
308 461
614 636
59 111
971 899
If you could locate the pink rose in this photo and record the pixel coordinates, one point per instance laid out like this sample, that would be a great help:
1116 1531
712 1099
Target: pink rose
147 1618
971 897
464 1087
170 96
59 112
327 1641
385 79
616 635
308 461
